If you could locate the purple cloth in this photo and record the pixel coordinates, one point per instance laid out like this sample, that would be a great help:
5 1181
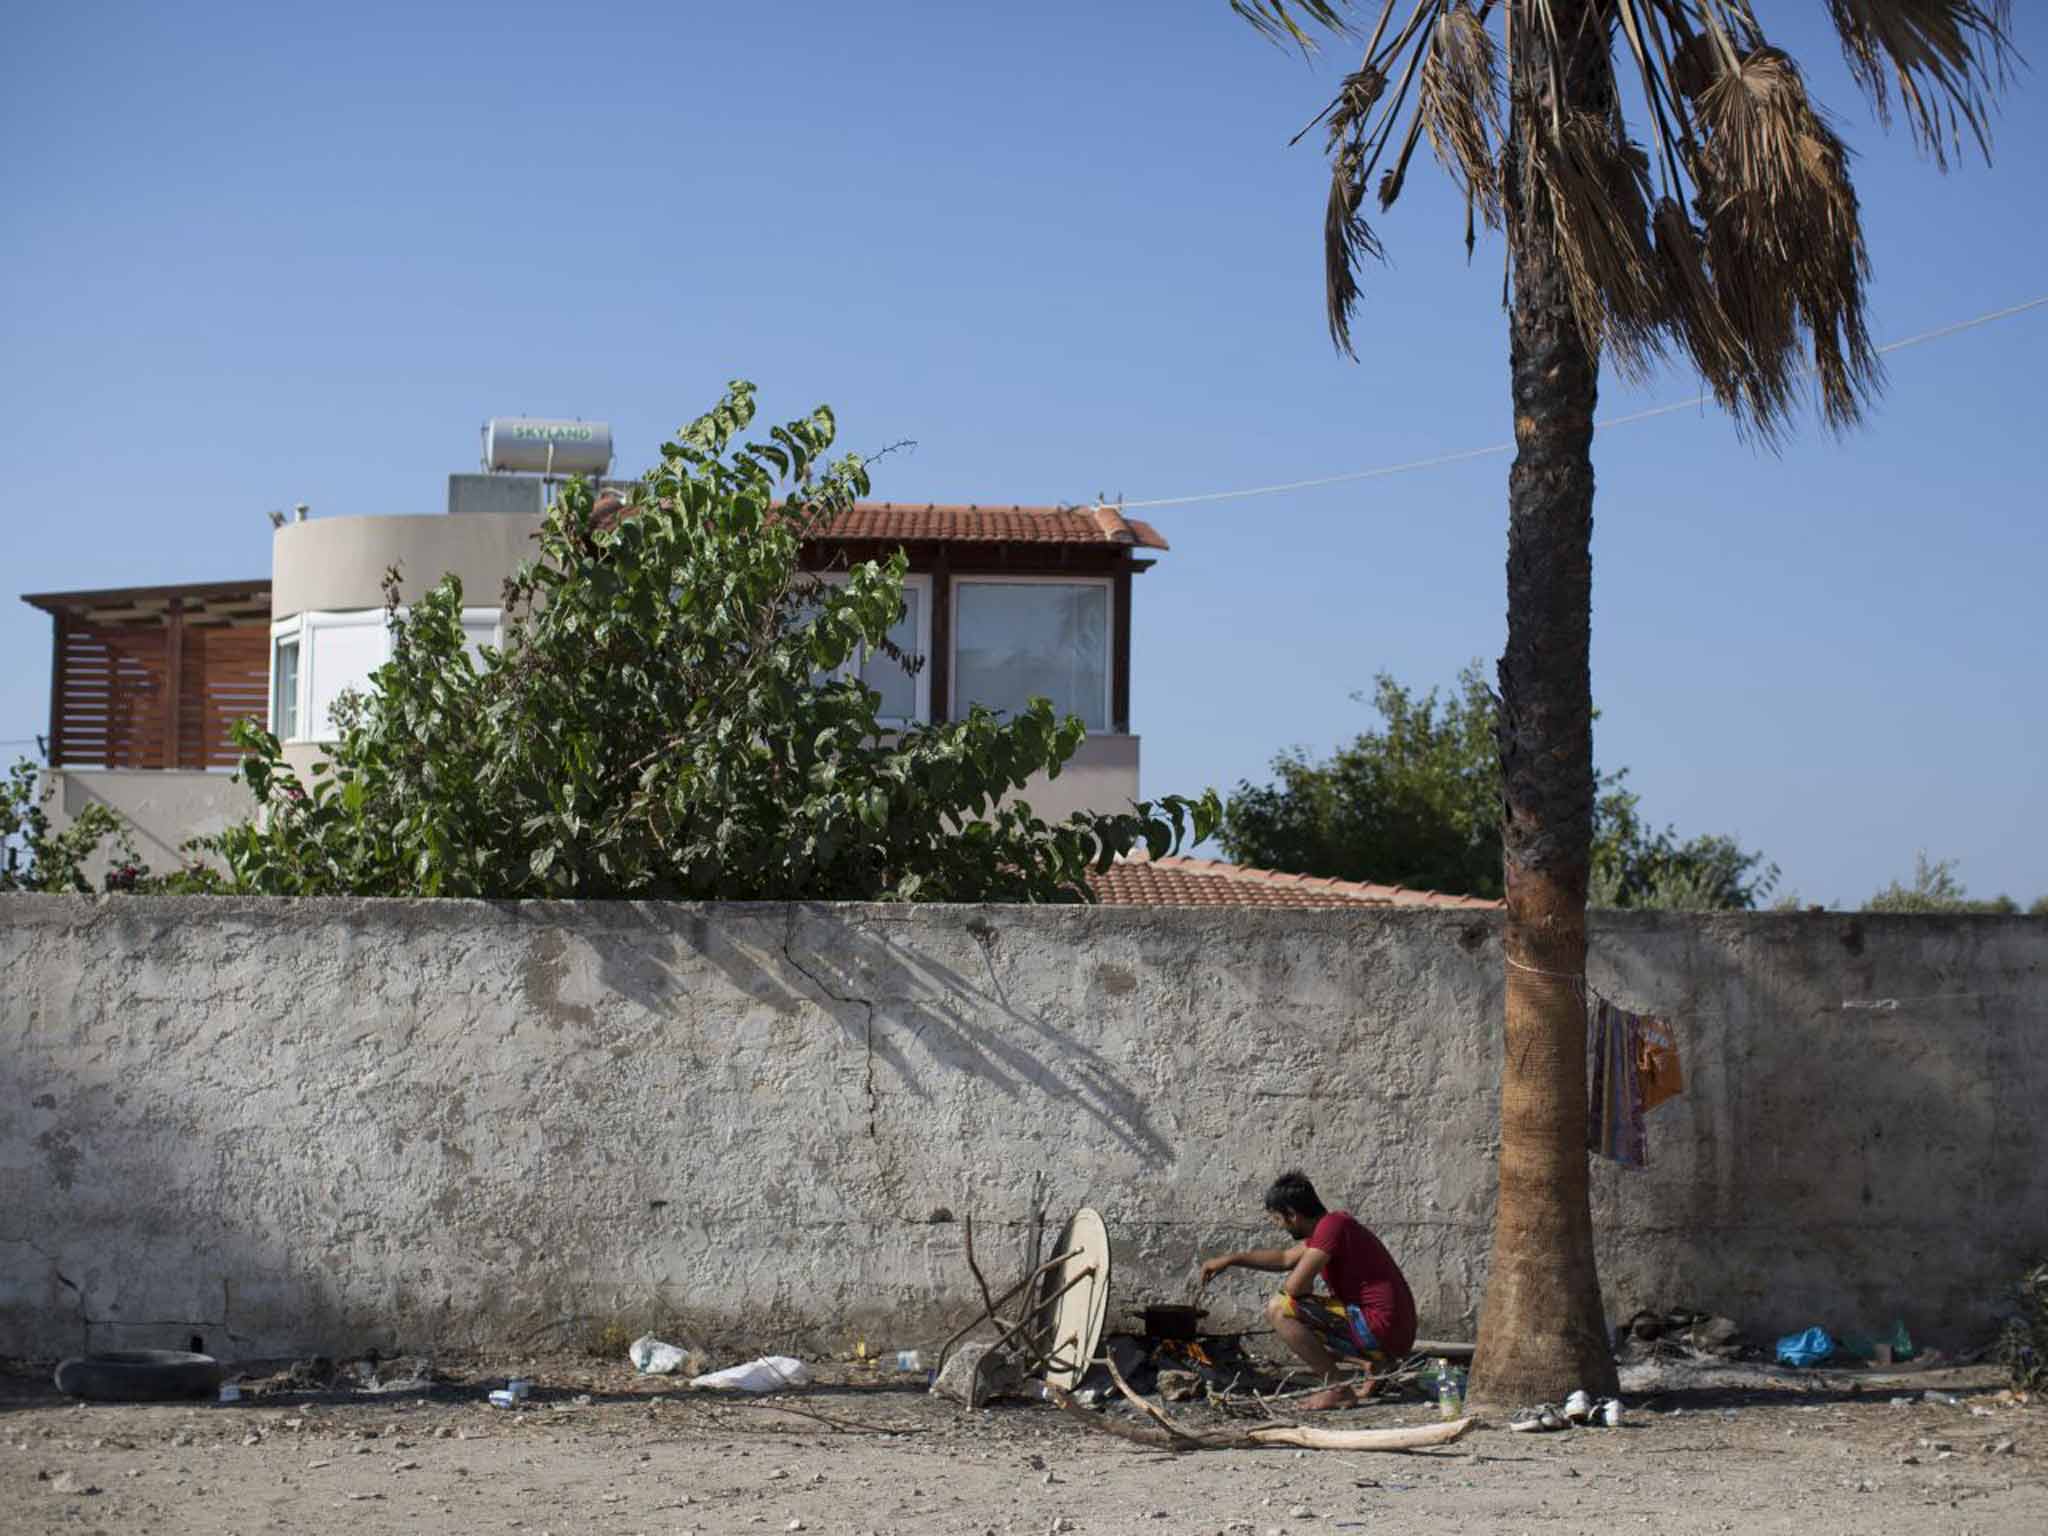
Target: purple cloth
1614 1118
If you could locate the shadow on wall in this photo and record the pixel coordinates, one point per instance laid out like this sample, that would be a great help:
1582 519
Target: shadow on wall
133 1256
1853 1145
925 1019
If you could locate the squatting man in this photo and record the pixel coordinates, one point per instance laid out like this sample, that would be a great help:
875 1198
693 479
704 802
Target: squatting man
1368 1314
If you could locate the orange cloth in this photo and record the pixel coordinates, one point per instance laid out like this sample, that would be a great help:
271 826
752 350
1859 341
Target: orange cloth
1657 1067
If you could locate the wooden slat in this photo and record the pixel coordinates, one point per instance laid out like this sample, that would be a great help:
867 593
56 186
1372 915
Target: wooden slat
111 706
227 678
174 674
111 702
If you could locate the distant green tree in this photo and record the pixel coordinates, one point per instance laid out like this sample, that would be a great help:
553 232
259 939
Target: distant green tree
672 716
2039 908
1634 867
1937 888
1417 802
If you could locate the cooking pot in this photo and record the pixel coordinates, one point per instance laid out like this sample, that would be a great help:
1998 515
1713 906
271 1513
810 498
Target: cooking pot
1173 1322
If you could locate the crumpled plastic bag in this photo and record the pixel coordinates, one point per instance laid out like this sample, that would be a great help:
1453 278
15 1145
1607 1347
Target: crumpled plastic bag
651 1357
771 1373
1803 1349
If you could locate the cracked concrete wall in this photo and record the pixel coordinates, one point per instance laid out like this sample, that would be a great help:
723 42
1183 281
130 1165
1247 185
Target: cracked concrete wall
300 1126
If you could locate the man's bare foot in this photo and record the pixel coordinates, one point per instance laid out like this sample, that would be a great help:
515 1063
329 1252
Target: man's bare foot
1343 1395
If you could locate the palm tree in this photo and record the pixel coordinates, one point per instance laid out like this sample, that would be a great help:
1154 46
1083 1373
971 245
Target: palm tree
1732 242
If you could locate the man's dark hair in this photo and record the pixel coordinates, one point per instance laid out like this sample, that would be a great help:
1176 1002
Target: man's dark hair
1292 1194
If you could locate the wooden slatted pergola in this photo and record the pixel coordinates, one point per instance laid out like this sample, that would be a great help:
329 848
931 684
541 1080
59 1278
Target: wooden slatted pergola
152 677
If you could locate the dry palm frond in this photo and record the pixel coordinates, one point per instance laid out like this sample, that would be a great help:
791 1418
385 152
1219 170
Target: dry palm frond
1595 186
1459 106
1744 250
1693 313
1944 57
1347 241
1276 19
1360 126
1356 97
1784 241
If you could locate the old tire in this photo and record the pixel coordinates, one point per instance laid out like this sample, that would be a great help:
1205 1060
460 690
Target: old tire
139 1376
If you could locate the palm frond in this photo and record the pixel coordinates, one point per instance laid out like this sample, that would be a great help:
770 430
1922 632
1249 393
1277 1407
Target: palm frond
1594 186
1283 20
1347 242
1722 226
1361 122
1784 242
1459 107
1945 58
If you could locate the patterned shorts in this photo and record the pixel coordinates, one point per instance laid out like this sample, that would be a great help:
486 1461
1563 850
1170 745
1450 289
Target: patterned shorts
1343 1330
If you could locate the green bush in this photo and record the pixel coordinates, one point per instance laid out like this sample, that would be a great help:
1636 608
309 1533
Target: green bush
35 858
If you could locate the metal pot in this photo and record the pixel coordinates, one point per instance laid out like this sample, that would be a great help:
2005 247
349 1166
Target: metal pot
1173 1322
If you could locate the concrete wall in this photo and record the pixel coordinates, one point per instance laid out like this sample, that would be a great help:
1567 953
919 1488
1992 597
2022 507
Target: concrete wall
1102 776
163 808
328 1125
338 563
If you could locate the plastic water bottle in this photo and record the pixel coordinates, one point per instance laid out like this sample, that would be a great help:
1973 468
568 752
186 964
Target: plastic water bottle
1450 1390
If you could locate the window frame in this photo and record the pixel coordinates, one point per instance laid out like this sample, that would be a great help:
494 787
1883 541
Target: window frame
961 703
280 638
304 629
919 582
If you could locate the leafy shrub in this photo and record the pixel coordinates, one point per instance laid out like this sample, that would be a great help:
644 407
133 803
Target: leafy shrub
33 857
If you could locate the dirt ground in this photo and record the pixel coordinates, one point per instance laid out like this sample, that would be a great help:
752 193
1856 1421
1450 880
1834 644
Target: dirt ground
599 1448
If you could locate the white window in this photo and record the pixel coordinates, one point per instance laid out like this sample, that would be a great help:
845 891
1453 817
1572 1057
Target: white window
1020 637
906 698
284 686
342 650
316 657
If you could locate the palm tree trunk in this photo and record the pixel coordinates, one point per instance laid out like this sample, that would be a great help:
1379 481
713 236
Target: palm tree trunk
1542 1331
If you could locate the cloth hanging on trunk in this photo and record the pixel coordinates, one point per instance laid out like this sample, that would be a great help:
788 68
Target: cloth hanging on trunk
1614 1119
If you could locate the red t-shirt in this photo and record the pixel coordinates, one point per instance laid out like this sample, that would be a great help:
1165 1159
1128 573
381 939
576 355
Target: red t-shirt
1362 1274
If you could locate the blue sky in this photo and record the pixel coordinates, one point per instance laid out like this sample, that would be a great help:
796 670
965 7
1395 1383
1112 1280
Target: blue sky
252 255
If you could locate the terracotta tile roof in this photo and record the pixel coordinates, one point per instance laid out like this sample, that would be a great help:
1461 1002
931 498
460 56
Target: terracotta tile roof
995 525
892 522
1185 882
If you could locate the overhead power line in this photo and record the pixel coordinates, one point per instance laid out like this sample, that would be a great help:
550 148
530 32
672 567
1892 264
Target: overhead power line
1494 449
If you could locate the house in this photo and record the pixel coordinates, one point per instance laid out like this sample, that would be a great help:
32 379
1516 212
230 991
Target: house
1004 602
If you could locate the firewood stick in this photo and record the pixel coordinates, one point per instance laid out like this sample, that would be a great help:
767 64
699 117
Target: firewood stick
1415 1438
1157 1414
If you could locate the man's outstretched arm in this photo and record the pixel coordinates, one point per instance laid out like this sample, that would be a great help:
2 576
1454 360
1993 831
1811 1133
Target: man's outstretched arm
1272 1259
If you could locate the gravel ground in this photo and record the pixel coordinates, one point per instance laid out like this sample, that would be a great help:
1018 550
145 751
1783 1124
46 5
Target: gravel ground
601 1449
